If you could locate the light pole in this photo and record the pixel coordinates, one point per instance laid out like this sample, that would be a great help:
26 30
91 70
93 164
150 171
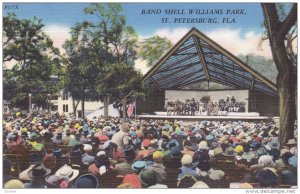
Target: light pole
48 102
30 107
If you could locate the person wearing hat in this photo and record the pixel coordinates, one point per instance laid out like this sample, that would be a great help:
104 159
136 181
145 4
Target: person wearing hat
69 172
50 162
247 155
84 138
172 163
187 148
34 159
102 139
289 177
186 168
11 140
239 149
229 153
263 161
217 179
58 139
217 155
275 152
87 181
121 138
157 167
186 181
37 174
47 141
174 157
261 151
172 143
203 166
87 158
149 180
145 150
7 173
53 181
67 138
34 142
100 160
125 167
13 184
134 179
75 141
267 178
291 143
200 185
104 170
202 152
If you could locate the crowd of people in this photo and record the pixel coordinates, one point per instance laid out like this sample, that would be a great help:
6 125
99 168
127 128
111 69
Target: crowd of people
53 151
191 107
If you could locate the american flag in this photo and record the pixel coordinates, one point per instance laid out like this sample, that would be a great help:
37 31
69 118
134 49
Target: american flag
130 108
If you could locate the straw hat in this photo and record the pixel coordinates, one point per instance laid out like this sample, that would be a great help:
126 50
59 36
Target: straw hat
14 184
67 171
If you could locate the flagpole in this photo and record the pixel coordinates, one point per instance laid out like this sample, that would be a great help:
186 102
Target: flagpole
135 109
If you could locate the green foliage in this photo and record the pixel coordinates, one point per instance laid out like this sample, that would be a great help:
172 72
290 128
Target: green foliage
99 53
119 79
32 51
264 66
152 49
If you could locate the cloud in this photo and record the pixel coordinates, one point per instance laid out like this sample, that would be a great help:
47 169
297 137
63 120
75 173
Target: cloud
141 65
234 42
58 33
173 35
230 39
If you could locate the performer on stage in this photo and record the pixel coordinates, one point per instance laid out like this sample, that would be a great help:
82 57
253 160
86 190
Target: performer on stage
201 104
193 107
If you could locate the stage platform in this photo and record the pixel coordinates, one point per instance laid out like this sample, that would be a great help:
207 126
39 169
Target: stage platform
232 116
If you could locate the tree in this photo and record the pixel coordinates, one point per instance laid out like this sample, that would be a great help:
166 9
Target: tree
80 72
34 60
151 49
287 75
118 81
108 41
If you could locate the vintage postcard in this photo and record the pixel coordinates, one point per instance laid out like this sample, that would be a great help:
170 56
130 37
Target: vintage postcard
149 95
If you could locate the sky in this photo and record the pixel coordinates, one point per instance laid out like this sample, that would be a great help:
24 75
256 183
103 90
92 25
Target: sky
241 37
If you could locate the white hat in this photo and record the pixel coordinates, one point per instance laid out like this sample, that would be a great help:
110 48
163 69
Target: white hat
87 147
203 145
200 185
216 175
67 171
186 160
101 153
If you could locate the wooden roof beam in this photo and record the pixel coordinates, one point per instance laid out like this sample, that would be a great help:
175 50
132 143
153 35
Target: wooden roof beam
201 56
154 82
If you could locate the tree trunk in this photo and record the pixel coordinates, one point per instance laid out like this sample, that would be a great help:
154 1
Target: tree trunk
286 82
75 105
287 106
106 103
124 109
82 108
287 75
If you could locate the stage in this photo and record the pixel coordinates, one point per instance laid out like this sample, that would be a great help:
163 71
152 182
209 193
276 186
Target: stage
250 116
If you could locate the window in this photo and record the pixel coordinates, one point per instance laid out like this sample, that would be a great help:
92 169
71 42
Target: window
65 95
65 108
